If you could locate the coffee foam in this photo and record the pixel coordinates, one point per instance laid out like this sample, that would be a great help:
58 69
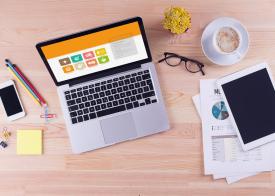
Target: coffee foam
227 39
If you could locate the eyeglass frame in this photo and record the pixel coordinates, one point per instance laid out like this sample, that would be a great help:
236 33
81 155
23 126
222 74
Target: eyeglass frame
184 59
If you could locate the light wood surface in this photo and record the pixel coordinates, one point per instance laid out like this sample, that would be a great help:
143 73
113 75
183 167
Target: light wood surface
170 163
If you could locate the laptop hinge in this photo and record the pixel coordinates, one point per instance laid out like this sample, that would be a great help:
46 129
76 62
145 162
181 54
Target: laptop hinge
104 73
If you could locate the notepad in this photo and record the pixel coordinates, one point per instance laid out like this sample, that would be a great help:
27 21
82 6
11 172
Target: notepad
29 142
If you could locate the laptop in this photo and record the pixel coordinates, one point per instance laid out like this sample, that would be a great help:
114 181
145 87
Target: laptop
107 84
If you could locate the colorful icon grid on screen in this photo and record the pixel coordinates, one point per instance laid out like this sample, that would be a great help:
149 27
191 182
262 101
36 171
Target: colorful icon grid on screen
88 55
65 61
84 60
68 69
91 62
80 66
76 58
102 59
100 51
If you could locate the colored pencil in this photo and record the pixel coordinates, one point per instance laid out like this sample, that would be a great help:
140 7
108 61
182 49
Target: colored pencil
29 84
31 95
23 80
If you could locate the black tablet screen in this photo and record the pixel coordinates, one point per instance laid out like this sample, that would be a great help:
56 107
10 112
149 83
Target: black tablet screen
252 102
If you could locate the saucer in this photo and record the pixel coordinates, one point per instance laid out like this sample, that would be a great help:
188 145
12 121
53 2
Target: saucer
209 49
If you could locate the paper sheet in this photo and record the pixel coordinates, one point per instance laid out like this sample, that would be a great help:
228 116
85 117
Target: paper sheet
233 175
222 150
230 178
225 138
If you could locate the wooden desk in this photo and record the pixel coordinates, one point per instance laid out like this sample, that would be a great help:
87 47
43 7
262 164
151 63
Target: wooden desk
164 164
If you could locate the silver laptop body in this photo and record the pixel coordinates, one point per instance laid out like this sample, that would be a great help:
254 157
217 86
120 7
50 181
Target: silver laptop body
132 108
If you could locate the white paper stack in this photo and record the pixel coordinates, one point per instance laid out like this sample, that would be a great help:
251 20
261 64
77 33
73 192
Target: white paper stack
223 155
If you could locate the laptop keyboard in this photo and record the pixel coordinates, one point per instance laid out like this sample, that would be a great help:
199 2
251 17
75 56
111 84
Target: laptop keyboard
110 96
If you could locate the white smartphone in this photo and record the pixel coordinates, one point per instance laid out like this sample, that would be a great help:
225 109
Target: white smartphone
11 101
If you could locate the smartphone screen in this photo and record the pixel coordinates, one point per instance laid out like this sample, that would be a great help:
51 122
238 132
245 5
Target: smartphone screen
10 100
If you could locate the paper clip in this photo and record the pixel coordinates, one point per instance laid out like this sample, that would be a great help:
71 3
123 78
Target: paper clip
48 116
3 144
5 134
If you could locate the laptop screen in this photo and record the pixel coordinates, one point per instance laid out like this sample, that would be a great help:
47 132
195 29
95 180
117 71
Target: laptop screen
94 52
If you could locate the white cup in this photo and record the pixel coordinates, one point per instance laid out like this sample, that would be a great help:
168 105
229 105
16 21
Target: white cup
217 48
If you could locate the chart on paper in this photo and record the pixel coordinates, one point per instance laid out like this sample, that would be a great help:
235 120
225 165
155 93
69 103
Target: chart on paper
228 148
219 111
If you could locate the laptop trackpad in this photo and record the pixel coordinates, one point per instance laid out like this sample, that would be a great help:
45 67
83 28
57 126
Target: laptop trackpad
118 128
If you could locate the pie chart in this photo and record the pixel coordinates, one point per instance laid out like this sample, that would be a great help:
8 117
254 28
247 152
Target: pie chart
219 111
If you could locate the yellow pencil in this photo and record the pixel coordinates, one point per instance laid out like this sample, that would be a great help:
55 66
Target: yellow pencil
36 101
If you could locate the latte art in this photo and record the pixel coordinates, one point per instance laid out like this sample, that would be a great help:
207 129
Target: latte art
227 39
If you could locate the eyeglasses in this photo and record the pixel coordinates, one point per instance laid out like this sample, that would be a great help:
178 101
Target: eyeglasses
191 65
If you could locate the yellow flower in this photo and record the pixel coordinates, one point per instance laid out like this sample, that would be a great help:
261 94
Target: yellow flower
177 20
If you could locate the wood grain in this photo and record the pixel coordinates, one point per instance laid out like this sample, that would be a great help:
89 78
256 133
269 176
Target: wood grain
170 163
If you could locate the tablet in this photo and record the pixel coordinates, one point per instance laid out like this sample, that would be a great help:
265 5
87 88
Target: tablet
249 96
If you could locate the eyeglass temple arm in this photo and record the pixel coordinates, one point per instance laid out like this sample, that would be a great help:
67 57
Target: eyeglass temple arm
203 73
170 53
162 60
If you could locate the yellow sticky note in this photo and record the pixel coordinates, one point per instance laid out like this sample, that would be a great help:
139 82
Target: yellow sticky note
29 142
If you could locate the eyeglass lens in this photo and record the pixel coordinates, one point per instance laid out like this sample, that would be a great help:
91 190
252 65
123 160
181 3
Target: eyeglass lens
173 60
192 66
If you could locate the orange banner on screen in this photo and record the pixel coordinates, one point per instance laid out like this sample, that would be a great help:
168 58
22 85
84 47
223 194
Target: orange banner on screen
91 40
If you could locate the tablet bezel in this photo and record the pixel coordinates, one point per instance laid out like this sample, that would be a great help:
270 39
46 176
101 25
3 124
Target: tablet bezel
237 75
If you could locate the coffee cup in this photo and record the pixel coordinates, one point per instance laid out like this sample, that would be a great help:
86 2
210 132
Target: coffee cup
227 41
